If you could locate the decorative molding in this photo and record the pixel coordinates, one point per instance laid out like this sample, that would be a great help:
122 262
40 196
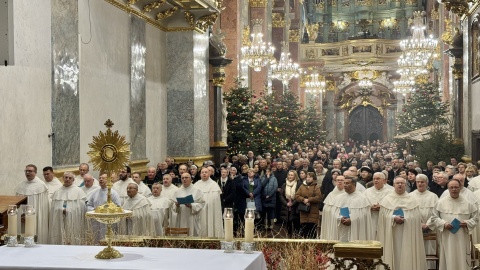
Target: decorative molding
246 36
294 35
204 22
167 13
153 5
198 160
190 18
257 3
363 2
219 81
278 20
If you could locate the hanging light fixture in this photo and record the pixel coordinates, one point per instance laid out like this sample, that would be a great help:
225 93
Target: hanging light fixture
284 70
403 86
315 85
258 53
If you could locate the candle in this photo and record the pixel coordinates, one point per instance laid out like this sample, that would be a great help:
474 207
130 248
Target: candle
12 225
228 229
30 225
249 224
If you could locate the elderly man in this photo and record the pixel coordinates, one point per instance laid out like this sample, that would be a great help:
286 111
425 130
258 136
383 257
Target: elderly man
160 207
352 210
141 221
150 178
83 169
374 195
37 195
52 182
121 185
427 201
211 220
168 191
440 185
88 186
455 218
464 192
99 197
188 215
142 188
67 215
329 227
399 229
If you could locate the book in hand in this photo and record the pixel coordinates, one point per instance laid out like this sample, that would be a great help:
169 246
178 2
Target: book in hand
456 225
345 212
185 200
398 212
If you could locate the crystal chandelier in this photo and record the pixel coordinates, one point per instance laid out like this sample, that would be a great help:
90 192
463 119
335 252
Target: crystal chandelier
403 86
257 54
315 85
285 69
365 83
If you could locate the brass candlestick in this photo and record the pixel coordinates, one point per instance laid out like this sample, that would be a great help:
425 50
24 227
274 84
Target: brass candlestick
109 153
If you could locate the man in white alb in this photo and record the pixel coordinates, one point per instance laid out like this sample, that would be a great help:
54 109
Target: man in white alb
168 191
83 169
121 185
374 195
141 221
211 220
188 215
142 188
160 209
88 186
51 181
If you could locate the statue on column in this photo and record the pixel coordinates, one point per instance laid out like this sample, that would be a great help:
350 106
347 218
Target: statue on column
217 45
224 121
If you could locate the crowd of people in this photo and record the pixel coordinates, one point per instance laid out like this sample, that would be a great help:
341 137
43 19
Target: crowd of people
334 191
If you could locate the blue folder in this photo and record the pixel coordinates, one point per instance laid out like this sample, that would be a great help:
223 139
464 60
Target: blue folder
345 212
398 212
185 200
456 225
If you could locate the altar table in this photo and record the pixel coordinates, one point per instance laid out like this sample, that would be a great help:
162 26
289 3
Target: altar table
83 257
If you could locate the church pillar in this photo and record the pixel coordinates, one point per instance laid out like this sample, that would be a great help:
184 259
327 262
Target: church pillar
260 9
187 96
390 124
340 124
330 116
457 71
219 148
65 84
137 89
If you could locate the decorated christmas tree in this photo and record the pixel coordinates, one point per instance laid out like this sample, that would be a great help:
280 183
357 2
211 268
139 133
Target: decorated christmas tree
240 116
422 108
312 122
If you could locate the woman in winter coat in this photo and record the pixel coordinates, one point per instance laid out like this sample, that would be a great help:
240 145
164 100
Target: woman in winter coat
253 189
289 204
309 194
269 197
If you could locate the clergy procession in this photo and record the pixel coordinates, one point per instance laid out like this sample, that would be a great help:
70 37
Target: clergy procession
396 204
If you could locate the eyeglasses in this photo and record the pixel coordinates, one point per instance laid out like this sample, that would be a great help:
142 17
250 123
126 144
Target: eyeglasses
66 177
454 188
185 178
28 171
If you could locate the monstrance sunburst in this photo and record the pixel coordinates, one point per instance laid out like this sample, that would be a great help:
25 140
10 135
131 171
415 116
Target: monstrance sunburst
110 152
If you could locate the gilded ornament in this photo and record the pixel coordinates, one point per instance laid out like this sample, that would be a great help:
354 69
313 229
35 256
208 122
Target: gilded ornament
153 5
363 2
278 21
320 5
331 86
132 2
246 36
310 53
258 3
190 18
447 35
410 2
294 35
205 21
434 14
312 30
219 81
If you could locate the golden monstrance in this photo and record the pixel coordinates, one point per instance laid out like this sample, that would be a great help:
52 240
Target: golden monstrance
109 153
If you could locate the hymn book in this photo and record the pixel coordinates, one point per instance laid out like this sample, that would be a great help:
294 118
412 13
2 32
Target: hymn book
185 200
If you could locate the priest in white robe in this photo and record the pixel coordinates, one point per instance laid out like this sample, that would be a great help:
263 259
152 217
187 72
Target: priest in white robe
476 231
51 181
121 185
168 191
83 169
355 221
67 215
37 196
427 201
454 246
464 192
88 186
188 215
374 195
329 229
401 233
160 207
141 221
96 229
211 219
142 188
474 183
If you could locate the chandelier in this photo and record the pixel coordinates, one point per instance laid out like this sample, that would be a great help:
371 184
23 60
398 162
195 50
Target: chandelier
403 86
315 85
257 54
285 69
365 83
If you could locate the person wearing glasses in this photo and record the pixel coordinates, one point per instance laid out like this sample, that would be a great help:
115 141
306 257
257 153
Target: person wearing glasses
67 215
37 195
188 214
455 218
464 192
399 229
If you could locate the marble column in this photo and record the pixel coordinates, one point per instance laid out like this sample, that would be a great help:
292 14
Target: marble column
219 148
340 124
457 71
390 124
137 88
65 84
330 116
187 96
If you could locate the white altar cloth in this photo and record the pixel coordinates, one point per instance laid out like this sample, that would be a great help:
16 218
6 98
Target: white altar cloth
83 257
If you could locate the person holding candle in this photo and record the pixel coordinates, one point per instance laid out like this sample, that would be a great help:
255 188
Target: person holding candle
67 214
309 194
37 196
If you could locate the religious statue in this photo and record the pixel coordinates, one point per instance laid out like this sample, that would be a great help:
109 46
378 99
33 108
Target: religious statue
217 45
224 121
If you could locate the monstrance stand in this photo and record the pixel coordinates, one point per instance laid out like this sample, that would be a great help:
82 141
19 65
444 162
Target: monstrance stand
109 152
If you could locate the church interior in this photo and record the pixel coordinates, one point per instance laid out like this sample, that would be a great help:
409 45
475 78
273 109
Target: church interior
159 69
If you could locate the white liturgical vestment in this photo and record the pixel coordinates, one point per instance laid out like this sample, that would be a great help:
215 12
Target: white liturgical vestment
121 188
403 243
37 195
89 191
160 207
211 218
454 247
329 229
67 227
189 217
169 193
144 190
97 230
141 221
374 196
79 181
53 186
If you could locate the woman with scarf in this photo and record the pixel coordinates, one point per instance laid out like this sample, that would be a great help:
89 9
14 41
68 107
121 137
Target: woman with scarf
289 204
308 196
